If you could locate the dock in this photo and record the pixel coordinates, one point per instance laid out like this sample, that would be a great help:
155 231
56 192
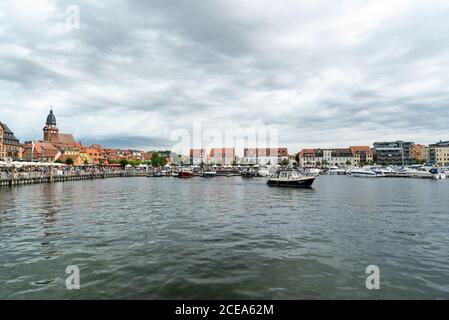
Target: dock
35 177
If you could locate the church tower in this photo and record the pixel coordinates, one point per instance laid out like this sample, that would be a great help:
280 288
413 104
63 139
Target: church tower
51 132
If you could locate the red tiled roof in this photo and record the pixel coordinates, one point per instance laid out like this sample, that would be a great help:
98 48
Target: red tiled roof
308 151
357 149
41 148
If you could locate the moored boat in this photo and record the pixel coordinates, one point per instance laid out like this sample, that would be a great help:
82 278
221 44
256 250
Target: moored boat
438 174
185 174
248 173
262 171
364 172
290 178
209 174
336 171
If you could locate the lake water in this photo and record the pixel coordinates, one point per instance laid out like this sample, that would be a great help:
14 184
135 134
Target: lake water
219 238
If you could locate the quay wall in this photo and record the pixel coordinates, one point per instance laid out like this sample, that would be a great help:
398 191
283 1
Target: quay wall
34 179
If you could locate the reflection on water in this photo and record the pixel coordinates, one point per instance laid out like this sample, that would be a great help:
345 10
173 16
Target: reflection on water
225 238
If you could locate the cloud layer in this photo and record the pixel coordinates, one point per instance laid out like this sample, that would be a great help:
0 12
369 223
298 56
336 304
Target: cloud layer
322 73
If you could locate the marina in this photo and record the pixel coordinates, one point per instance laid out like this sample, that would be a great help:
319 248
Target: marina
35 174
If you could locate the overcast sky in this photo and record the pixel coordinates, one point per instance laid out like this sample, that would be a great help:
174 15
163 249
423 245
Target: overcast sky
323 73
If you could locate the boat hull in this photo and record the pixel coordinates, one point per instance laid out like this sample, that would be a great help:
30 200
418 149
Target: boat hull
184 174
299 183
209 174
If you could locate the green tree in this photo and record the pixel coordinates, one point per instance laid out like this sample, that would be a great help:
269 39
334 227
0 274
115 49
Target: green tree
348 163
325 163
58 161
135 163
420 161
157 160
297 158
124 163
285 162
69 161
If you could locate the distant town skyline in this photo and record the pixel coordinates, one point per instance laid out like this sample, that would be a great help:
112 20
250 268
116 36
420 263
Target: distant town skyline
322 73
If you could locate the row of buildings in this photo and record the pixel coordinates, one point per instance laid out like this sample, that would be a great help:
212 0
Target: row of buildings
57 146
384 153
60 147
227 156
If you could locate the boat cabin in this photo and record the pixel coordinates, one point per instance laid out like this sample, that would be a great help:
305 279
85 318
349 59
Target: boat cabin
286 174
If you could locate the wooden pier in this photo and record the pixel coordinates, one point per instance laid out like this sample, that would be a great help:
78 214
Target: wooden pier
34 178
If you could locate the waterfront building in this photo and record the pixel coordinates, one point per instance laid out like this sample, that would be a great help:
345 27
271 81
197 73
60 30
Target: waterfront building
425 154
95 155
362 155
198 156
264 156
124 154
337 157
439 153
74 154
52 135
147 155
111 154
292 159
10 145
137 155
86 158
394 153
222 156
310 157
418 151
42 151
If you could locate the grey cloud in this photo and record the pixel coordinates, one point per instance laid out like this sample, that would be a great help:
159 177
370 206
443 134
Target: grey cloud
320 72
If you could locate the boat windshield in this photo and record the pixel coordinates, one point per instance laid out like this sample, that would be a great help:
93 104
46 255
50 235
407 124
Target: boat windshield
287 174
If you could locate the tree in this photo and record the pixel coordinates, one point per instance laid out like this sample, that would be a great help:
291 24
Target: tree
297 158
285 162
348 163
420 161
69 161
58 161
157 160
124 163
135 163
325 163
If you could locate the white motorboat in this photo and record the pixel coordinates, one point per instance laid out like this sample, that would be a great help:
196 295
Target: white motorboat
421 172
312 171
262 171
438 174
364 172
336 171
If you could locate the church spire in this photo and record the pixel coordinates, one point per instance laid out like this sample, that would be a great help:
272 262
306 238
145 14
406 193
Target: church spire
51 119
